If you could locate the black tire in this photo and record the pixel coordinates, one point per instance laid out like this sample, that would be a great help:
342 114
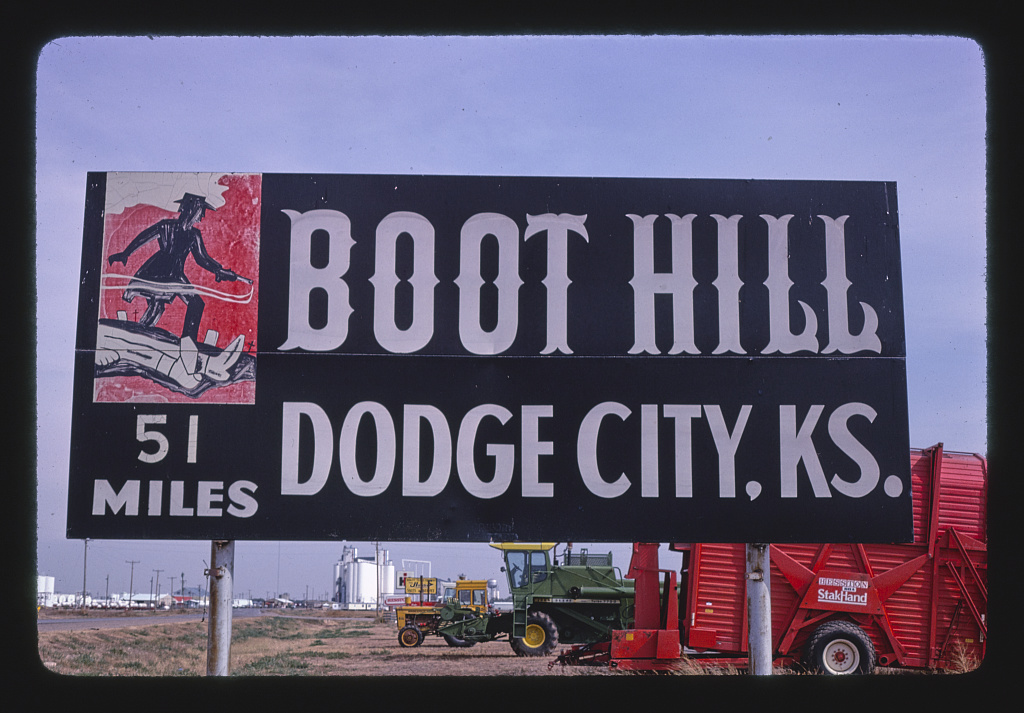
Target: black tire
838 648
541 636
456 642
410 636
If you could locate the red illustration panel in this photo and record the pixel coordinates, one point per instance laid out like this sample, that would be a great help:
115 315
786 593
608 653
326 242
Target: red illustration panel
179 289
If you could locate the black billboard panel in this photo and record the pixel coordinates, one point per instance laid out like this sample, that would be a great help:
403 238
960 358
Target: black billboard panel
453 358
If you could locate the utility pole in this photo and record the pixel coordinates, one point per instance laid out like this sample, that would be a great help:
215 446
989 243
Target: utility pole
85 558
158 571
131 581
218 640
376 560
759 609
172 589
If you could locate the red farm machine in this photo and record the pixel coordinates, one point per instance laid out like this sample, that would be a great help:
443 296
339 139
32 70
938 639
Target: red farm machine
836 608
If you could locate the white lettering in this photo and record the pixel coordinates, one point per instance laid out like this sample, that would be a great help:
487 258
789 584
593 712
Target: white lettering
683 415
243 504
208 495
841 436
324 286
303 279
143 434
842 597
726 443
728 284
781 338
557 281
474 338
386 449
796 446
836 285
503 454
586 451
103 495
193 437
156 496
532 449
385 280
647 283
649 451
441 466
838 582
178 508
323 448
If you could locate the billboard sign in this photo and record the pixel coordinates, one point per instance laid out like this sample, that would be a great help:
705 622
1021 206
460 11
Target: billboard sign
420 585
467 358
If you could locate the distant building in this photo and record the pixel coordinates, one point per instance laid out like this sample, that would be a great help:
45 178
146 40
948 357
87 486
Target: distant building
358 581
44 591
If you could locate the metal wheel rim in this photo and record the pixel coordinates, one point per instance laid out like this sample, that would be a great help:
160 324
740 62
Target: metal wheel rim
535 636
841 656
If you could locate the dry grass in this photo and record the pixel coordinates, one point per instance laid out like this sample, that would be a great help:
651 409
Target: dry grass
962 660
330 645
176 649
281 646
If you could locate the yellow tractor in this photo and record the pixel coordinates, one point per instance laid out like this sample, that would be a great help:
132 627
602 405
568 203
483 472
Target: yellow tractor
468 598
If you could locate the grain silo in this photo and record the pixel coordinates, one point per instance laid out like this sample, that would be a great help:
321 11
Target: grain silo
359 580
44 591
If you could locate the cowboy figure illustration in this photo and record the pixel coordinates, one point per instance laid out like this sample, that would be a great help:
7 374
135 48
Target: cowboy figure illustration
159 276
140 348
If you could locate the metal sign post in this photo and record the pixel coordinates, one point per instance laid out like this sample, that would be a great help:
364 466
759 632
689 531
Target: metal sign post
218 648
759 610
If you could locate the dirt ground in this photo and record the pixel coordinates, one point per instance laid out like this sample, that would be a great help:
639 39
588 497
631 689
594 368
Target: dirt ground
289 645
293 643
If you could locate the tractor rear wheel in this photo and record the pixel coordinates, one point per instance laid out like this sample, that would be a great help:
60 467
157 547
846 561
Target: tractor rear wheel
839 648
410 636
541 636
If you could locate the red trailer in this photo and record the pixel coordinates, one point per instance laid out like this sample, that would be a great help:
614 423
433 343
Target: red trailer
845 608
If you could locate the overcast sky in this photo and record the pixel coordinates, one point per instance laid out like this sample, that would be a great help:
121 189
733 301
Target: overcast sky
903 109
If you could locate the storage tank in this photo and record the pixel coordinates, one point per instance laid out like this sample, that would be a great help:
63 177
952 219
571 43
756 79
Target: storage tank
358 579
366 582
44 590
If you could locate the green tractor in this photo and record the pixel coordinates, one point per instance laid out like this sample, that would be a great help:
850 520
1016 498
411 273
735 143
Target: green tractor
580 601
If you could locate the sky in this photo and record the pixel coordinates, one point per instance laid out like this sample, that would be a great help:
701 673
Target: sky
909 109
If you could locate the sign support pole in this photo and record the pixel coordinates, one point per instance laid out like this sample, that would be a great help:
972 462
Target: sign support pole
218 640
759 610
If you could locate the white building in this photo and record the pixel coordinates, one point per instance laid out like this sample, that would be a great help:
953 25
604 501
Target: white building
359 581
44 591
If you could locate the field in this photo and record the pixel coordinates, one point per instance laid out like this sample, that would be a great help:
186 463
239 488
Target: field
307 645
293 644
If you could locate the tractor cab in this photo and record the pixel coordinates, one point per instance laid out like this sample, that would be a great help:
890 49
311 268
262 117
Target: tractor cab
526 564
472 594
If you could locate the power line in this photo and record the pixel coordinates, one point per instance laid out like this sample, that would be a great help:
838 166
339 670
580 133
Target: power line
85 558
131 581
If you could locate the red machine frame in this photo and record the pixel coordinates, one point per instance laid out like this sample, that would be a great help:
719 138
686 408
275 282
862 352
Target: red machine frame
922 604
